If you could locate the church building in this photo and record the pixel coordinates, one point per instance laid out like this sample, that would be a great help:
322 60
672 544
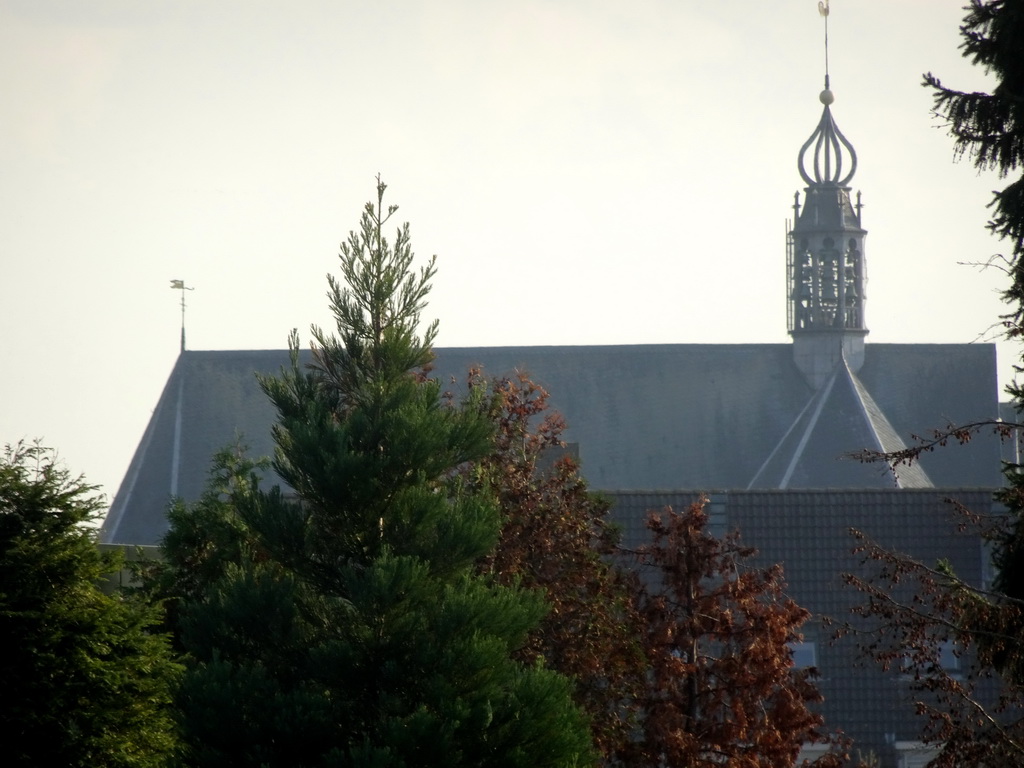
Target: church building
765 431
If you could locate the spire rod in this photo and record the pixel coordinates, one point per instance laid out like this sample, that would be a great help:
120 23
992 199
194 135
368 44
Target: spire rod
179 285
823 11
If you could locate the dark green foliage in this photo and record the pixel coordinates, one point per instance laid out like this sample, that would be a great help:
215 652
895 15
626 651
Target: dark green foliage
203 539
84 680
988 128
342 623
973 713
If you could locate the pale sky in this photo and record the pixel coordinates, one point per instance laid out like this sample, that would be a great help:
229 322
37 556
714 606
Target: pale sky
587 172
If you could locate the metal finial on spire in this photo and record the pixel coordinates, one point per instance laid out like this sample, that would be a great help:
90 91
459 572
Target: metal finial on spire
179 285
823 10
832 151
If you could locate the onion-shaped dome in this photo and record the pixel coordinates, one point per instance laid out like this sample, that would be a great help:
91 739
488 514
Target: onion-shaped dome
832 151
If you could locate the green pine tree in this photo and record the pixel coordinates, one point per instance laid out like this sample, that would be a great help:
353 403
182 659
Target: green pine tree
974 714
347 624
988 129
85 681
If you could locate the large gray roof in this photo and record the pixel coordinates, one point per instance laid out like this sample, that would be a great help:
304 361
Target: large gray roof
644 416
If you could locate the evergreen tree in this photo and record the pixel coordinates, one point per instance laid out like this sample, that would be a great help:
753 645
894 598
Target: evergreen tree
988 128
85 681
916 611
348 625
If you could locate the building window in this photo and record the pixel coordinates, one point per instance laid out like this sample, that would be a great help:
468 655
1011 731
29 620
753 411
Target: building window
946 660
805 654
915 754
811 752
949 659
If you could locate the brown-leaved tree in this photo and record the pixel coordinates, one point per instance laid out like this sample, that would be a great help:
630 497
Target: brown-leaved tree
680 650
555 537
723 689
955 645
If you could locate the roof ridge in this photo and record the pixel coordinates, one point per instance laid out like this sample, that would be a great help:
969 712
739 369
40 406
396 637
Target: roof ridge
782 441
887 439
823 395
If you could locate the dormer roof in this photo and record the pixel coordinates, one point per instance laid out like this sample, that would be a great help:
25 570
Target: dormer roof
840 412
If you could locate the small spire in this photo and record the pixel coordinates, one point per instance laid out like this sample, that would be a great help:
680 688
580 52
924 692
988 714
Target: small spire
823 10
179 285
832 150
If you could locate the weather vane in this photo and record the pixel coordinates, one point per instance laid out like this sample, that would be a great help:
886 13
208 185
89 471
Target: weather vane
179 285
823 11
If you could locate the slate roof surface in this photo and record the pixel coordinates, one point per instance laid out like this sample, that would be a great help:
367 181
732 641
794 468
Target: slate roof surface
644 416
842 412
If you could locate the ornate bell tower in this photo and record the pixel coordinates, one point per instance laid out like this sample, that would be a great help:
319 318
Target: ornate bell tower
825 253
